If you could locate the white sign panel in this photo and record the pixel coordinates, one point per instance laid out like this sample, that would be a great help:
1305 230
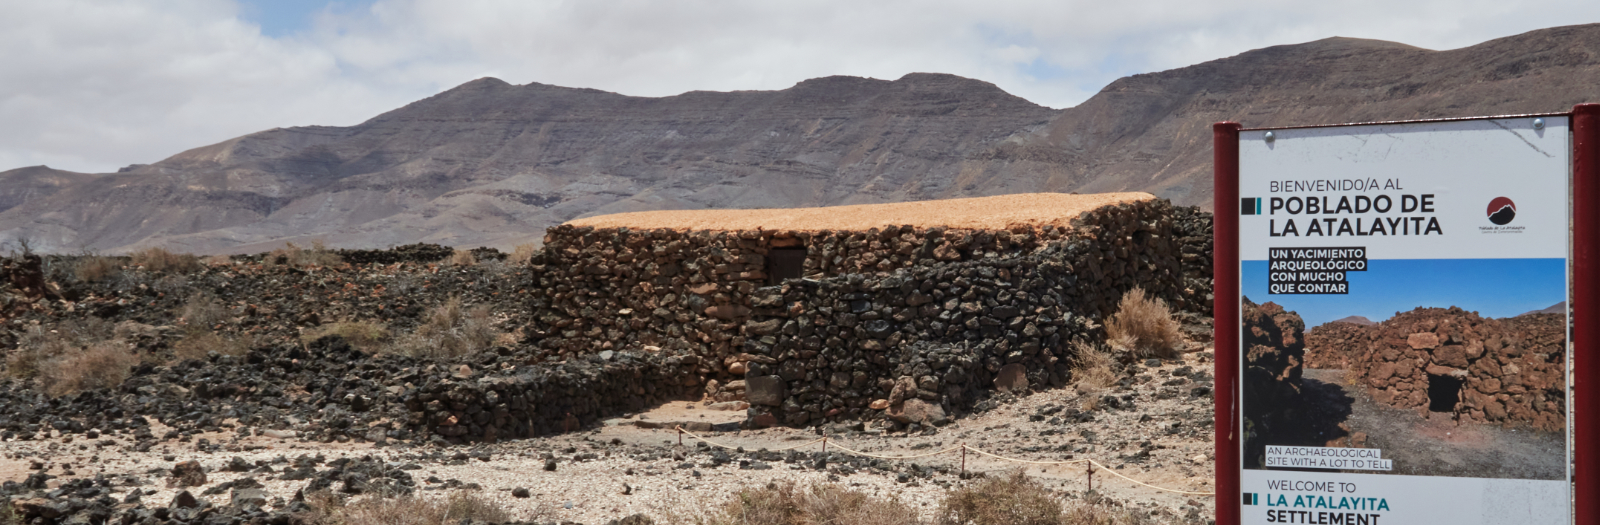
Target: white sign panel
1411 364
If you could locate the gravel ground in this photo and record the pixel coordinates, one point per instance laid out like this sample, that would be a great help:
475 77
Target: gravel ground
1155 431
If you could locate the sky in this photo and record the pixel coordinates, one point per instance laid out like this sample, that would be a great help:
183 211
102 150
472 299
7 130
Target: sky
95 85
1491 287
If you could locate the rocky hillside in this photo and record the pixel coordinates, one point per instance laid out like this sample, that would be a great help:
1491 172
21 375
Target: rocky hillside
489 163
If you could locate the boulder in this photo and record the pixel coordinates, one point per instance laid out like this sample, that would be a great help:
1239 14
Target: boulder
1012 378
765 390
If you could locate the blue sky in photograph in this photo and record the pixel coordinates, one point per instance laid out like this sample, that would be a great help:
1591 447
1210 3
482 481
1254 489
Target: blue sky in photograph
1491 287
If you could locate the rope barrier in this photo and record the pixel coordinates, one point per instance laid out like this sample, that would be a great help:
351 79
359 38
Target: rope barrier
961 447
1095 463
682 432
864 454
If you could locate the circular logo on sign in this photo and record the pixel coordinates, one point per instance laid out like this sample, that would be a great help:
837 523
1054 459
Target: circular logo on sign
1502 210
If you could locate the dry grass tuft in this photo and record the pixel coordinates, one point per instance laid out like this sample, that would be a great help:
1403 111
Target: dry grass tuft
368 336
317 255
819 504
35 347
8 514
202 312
1015 499
1002 500
161 260
461 257
325 506
329 509
200 344
95 268
1147 323
450 330
38 344
105 364
1092 368
1095 511
217 260
522 254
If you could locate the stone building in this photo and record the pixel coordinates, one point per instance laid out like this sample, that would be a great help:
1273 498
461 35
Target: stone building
1448 360
830 313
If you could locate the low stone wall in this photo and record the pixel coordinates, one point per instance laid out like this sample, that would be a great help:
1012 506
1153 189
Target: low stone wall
1334 345
546 399
915 344
1192 230
1504 371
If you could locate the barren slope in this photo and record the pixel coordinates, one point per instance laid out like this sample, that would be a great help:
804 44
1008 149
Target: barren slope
492 163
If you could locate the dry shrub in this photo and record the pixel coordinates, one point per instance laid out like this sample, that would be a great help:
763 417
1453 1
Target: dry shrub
455 508
95 268
38 344
465 505
293 255
199 345
105 364
1002 500
450 330
1015 499
325 507
161 260
35 347
1095 510
461 257
217 260
8 514
522 254
1092 368
203 312
1147 323
369 336
819 504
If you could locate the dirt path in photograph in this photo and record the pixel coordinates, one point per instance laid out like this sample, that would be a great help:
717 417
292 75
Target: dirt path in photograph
1438 445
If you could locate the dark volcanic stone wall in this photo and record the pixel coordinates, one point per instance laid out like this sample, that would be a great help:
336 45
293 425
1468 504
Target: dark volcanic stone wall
545 399
1505 371
691 292
1192 228
918 343
328 391
1274 353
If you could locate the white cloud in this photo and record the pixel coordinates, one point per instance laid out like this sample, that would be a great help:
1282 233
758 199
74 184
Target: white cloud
91 86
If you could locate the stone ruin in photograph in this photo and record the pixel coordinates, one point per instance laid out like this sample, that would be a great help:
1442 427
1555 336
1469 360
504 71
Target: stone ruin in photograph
907 312
1500 371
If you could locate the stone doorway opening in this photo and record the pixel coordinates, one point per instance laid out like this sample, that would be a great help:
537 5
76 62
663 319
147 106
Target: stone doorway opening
1444 392
785 263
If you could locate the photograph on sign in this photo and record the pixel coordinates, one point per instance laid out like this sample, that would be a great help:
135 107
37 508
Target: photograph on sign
1403 321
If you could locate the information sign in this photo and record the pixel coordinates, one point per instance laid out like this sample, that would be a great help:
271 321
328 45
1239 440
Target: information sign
1398 295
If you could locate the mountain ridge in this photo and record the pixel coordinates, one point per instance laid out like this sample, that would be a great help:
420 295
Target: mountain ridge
492 163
